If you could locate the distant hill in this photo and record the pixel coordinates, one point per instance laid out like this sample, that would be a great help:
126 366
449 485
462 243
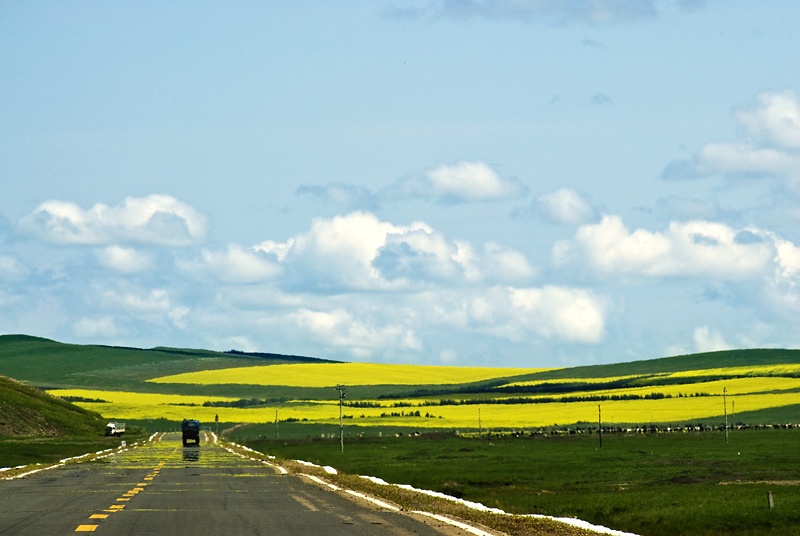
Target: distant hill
26 411
682 363
49 364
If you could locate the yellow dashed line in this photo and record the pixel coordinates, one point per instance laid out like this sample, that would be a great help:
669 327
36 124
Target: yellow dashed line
126 497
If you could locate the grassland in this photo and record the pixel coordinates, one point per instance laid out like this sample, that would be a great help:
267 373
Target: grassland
130 383
38 428
26 411
650 484
659 484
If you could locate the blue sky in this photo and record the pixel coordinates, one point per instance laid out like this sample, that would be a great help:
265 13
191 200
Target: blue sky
473 182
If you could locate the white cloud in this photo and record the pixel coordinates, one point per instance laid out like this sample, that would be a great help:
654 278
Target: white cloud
459 183
155 219
125 260
12 270
471 181
463 182
568 314
521 314
565 11
448 356
340 329
338 252
143 302
770 147
784 283
234 265
102 327
345 195
359 251
689 249
709 340
501 263
743 159
774 120
565 206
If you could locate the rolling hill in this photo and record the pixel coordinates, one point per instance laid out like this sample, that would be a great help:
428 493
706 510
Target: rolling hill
169 383
29 412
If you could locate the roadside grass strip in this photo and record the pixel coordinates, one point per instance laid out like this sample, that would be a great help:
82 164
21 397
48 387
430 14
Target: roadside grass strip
462 526
99 455
578 524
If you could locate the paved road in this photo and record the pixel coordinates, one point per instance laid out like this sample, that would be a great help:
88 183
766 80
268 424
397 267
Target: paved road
168 489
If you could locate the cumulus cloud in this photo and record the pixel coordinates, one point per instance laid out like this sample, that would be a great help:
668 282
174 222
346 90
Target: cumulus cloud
96 327
562 12
564 206
523 314
125 260
12 270
234 265
685 249
463 182
340 194
569 314
769 148
459 183
148 301
774 119
340 329
709 340
337 252
155 219
359 251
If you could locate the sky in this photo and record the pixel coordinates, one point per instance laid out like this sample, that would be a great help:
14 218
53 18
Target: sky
523 183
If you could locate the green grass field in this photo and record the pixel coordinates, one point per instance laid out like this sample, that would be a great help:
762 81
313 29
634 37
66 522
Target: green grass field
652 485
659 484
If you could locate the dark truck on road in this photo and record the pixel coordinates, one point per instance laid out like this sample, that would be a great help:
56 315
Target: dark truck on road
191 431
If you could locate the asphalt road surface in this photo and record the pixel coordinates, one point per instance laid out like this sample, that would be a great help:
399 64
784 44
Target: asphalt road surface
167 489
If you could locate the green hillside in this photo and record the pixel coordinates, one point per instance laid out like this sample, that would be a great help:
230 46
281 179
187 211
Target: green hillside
50 364
28 412
682 363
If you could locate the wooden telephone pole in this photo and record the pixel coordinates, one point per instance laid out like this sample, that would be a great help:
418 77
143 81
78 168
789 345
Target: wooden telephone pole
340 387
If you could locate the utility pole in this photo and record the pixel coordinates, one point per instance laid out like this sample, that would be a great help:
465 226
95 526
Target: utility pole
725 403
276 425
600 424
480 428
340 387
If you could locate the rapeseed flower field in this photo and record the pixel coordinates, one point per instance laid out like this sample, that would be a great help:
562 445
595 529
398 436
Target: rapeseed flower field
331 374
747 394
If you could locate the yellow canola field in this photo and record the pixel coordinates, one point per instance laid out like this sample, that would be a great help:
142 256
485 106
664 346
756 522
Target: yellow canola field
738 386
331 374
122 405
